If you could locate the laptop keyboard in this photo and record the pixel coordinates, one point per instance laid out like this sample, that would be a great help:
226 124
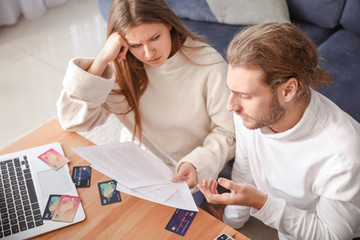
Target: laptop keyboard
19 207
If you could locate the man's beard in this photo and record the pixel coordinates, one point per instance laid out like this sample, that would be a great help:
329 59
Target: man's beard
274 113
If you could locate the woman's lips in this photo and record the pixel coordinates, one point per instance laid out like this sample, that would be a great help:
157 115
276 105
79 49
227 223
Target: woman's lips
154 60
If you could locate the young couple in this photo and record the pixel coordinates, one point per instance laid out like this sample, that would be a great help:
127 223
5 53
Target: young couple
297 163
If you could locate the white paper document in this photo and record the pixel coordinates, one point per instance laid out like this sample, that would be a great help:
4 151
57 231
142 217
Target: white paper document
138 173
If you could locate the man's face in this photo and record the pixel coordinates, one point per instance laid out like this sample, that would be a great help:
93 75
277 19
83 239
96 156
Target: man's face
150 43
256 103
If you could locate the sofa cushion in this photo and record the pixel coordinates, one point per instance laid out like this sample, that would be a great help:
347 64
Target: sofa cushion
350 19
237 12
216 34
317 34
341 59
323 13
190 9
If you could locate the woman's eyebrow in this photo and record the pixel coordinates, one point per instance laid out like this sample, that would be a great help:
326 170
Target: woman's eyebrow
152 36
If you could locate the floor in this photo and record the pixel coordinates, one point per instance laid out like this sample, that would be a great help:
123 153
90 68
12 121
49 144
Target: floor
33 58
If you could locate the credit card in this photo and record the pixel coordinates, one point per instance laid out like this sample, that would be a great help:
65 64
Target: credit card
54 159
81 176
51 206
66 208
180 221
108 193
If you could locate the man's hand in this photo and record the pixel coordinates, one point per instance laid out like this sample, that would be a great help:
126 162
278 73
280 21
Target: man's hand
241 194
187 172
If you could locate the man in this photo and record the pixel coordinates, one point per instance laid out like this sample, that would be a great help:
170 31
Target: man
297 165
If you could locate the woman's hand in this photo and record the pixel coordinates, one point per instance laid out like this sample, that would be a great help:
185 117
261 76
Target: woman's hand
241 194
114 48
187 172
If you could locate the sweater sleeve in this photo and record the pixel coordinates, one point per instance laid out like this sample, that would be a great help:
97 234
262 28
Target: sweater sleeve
79 106
236 216
219 145
332 219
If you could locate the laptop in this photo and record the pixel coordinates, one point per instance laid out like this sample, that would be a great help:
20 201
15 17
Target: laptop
25 185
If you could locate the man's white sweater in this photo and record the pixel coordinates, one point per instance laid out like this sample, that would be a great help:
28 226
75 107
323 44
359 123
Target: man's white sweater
310 172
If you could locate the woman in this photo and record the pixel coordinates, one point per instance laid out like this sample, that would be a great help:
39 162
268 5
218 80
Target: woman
164 83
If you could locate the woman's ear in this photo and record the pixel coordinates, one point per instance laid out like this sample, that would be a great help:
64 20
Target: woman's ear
169 27
289 89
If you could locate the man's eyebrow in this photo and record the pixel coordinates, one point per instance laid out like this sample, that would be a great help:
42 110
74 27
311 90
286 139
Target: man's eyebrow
237 92
240 93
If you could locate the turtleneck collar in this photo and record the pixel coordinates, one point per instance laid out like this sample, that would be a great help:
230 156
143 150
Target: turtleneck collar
306 122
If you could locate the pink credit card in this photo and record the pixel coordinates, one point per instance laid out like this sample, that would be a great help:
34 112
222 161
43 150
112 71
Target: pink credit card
54 159
66 208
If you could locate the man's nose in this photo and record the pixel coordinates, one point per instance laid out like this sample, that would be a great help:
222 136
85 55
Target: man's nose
233 105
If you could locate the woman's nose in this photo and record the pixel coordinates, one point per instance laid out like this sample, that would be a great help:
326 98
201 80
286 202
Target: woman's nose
149 51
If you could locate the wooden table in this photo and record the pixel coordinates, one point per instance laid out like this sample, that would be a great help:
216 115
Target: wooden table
133 218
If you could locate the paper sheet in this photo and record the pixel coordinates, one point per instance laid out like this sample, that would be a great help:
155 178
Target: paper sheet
138 173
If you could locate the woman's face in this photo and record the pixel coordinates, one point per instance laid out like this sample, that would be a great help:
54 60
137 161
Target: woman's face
150 43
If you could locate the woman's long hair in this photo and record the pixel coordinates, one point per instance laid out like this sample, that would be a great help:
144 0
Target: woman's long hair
130 74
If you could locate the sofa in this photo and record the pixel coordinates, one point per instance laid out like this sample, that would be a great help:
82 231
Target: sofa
333 25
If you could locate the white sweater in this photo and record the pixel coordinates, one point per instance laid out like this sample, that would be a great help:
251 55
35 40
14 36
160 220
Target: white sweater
311 174
183 109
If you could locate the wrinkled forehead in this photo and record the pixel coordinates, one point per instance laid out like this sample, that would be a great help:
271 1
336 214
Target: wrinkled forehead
144 32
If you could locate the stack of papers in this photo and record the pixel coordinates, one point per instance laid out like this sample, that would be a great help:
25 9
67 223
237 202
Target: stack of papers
138 173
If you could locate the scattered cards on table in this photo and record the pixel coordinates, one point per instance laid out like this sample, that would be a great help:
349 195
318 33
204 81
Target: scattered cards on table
108 193
54 159
61 208
180 221
81 176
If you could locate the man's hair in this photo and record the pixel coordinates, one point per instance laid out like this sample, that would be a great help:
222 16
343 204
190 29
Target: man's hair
281 51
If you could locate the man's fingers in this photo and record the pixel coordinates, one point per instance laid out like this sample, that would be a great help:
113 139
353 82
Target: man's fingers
213 186
226 183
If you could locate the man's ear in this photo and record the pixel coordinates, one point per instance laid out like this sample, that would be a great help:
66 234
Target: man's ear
288 89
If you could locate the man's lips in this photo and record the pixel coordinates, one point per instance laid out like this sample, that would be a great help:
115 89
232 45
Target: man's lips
243 117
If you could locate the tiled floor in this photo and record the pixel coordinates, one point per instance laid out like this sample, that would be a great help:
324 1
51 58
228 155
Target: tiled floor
33 60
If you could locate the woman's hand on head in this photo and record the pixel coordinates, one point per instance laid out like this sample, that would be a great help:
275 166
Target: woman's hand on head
114 48
187 172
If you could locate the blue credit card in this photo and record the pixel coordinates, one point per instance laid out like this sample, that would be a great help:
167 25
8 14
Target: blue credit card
51 206
81 176
108 193
180 221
